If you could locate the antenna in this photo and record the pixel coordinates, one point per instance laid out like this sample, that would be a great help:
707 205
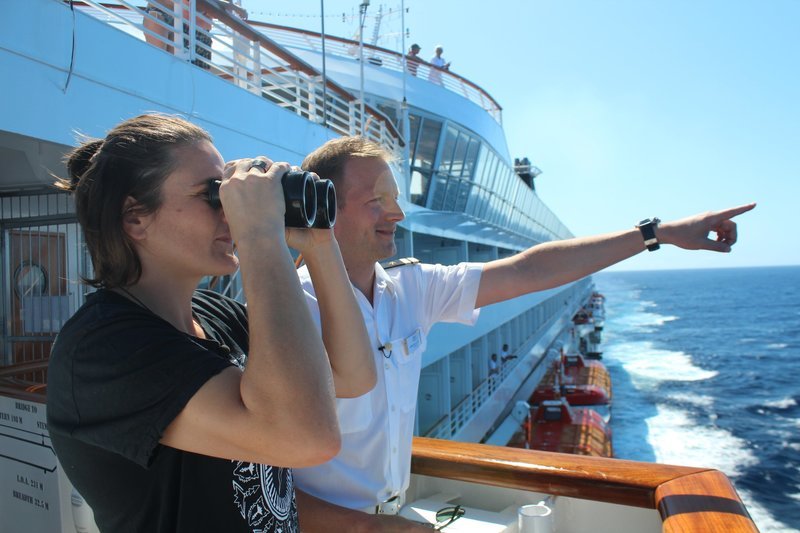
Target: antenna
377 29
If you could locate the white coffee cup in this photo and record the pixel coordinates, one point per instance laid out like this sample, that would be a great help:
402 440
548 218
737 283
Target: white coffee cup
535 518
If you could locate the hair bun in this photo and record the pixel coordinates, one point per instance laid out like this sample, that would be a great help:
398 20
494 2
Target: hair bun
80 159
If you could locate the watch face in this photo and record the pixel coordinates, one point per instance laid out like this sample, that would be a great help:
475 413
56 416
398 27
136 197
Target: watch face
30 279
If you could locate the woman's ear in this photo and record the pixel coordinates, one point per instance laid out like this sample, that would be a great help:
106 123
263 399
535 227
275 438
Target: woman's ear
134 223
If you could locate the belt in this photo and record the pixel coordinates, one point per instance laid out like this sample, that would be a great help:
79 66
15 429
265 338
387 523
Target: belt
390 506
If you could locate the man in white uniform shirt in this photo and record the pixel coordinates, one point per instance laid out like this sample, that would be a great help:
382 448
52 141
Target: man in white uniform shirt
435 74
362 486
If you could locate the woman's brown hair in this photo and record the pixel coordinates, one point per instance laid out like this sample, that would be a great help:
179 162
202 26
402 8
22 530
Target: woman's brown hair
132 161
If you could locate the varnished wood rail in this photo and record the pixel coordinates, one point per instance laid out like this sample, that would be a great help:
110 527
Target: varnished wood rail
689 500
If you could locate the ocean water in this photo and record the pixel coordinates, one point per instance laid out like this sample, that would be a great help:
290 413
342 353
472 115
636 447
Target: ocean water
706 372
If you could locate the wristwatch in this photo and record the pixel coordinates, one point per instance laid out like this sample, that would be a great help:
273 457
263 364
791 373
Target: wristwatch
648 228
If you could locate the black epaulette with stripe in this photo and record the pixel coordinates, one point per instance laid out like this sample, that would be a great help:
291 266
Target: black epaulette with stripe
400 262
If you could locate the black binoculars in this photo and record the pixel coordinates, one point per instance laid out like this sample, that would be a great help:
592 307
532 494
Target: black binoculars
310 203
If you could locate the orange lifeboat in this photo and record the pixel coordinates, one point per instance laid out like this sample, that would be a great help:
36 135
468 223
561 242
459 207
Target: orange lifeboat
556 426
577 370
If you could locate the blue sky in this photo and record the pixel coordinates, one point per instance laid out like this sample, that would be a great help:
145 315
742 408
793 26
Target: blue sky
631 108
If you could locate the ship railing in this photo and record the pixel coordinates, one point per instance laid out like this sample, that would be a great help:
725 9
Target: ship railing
464 410
383 58
689 500
24 381
250 60
460 415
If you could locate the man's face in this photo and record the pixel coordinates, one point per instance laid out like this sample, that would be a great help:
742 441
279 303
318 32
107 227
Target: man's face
366 223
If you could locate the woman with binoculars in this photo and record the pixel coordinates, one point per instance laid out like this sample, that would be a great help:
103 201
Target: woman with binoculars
167 405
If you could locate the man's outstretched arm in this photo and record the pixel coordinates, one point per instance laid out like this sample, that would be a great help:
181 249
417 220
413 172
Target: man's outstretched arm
555 263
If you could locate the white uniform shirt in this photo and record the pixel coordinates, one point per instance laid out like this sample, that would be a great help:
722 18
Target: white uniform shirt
377 428
435 74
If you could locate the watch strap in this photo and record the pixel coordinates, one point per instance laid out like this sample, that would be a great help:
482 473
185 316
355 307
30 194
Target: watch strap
648 229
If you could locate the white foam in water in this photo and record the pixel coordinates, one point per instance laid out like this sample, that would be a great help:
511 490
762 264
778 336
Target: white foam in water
678 440
645 321
693 399
777 346
645 363
785 403
764 520
640 316
675 439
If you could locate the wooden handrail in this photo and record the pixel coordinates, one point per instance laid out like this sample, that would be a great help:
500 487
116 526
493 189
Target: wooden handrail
690 500
702 502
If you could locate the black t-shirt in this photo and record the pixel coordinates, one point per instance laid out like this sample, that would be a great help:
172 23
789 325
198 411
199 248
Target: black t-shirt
118 376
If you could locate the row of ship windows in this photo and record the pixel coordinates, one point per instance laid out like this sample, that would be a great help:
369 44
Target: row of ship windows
452 170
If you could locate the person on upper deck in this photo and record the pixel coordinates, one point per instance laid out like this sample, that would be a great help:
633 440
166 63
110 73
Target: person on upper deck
439 64
494 365
412 59
505 354
180 410
402 301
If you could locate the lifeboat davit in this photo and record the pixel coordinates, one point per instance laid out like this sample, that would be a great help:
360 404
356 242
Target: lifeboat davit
556 426
592 315
597 310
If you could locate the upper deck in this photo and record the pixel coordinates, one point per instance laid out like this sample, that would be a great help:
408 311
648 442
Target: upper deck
257 96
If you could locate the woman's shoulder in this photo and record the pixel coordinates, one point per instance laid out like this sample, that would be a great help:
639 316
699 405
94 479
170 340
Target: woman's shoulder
107 321
102 307
215 305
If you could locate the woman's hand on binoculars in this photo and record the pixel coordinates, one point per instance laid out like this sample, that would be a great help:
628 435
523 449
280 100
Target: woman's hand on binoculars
307 240
252 197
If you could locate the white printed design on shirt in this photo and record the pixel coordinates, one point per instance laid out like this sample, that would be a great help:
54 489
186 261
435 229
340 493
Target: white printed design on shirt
265 497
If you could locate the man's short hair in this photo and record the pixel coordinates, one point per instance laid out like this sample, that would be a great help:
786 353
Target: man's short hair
328 161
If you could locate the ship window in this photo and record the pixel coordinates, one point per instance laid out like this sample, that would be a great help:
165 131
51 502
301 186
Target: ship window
464 188
552 414
446 158
459 152
481 199
480 169
470 158
439 191
428 141
413 133
452 194
419 186
425 135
